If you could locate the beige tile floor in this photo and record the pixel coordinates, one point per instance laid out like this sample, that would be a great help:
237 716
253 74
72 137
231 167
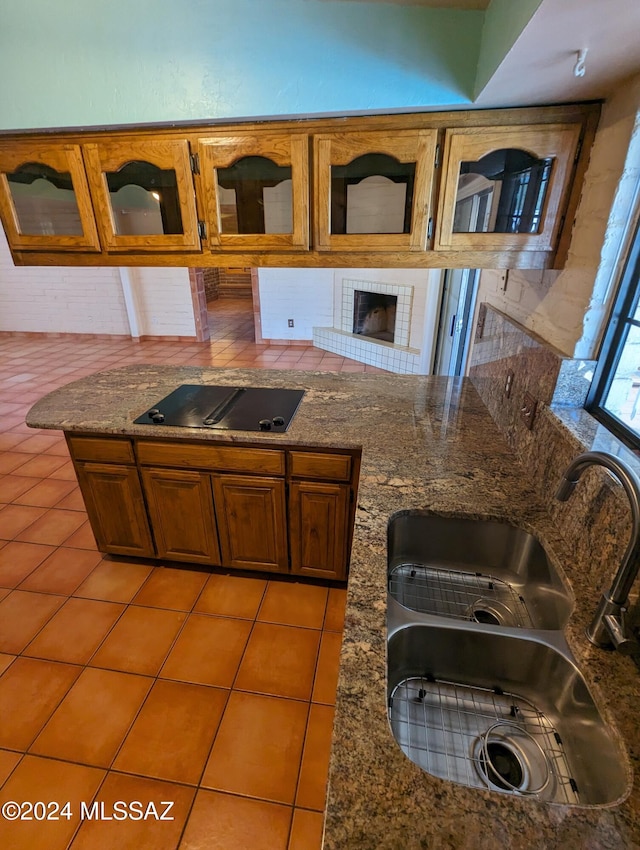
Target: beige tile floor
125 681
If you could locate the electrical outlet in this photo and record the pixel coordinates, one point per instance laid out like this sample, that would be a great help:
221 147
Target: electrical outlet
508 383
290 322
528 410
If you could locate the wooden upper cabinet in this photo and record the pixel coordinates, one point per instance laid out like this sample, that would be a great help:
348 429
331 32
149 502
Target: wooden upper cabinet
373 190
505 188
255 191
143 194
44 197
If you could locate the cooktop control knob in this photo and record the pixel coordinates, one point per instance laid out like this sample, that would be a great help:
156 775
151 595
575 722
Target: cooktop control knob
157 417
278 420
265 424
151 413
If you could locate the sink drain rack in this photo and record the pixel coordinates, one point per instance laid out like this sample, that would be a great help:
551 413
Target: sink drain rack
460 595
447 729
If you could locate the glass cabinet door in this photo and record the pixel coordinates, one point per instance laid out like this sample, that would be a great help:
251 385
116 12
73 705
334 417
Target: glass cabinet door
255 191
373 190
44 198
143 194
505 187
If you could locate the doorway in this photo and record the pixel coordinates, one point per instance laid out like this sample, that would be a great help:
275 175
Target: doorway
459 293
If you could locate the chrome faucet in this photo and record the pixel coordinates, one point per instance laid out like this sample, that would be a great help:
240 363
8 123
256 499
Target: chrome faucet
607 626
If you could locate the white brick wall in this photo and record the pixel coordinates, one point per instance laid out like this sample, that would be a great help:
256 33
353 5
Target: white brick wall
60 300
163 300
304 295
90 300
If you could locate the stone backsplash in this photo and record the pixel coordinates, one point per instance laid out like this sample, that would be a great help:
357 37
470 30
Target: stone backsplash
596 520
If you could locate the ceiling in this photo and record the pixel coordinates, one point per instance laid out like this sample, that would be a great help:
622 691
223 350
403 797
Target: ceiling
540 66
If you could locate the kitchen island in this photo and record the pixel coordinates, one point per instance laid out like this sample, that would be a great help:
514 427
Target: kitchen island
426 443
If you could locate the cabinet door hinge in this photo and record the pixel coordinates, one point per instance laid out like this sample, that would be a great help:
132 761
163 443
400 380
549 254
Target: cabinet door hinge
202 229
436 164
194 159
430 229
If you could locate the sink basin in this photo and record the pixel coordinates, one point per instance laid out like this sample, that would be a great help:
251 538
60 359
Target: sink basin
493 710
481 570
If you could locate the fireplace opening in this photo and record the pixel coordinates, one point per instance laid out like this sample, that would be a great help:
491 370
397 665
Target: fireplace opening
374 315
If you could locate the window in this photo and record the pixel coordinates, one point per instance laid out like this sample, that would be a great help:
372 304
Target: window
614 398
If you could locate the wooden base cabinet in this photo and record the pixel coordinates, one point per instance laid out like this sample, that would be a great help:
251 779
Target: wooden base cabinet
318 528
113 497
255 507
252 522
182 516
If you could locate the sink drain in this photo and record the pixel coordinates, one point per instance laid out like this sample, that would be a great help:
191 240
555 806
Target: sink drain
503 765
491 611
509 758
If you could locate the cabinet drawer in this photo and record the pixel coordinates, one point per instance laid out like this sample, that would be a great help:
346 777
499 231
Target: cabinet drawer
101 449
333 467
227 458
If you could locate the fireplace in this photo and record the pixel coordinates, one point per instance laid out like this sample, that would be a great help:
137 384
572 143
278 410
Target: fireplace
374 314
382 340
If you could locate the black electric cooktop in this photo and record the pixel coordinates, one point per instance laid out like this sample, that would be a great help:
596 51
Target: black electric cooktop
225 408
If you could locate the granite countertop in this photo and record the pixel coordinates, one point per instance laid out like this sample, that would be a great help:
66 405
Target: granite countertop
427 443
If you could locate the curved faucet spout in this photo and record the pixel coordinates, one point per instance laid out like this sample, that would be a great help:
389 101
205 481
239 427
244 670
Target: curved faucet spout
606 627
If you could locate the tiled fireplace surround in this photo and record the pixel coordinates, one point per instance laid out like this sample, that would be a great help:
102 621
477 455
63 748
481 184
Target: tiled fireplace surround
595 522
394 356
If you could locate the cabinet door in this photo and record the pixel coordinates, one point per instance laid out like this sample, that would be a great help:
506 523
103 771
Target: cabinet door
44 198
318 517
373 190
182 516
143 194
505 187
255 191
252 524
113 497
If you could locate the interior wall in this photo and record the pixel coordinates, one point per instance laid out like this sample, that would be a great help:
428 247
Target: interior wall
504 22
568 308
303 295
310 297
164 302
48 299
162 61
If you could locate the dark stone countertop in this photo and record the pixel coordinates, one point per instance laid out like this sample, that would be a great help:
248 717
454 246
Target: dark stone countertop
427 443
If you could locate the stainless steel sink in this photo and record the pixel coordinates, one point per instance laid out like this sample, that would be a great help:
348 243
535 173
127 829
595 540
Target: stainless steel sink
491 709
480 570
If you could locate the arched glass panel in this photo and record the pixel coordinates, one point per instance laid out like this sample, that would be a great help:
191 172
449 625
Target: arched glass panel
44 201
255 195
372 194
503 192
144 200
